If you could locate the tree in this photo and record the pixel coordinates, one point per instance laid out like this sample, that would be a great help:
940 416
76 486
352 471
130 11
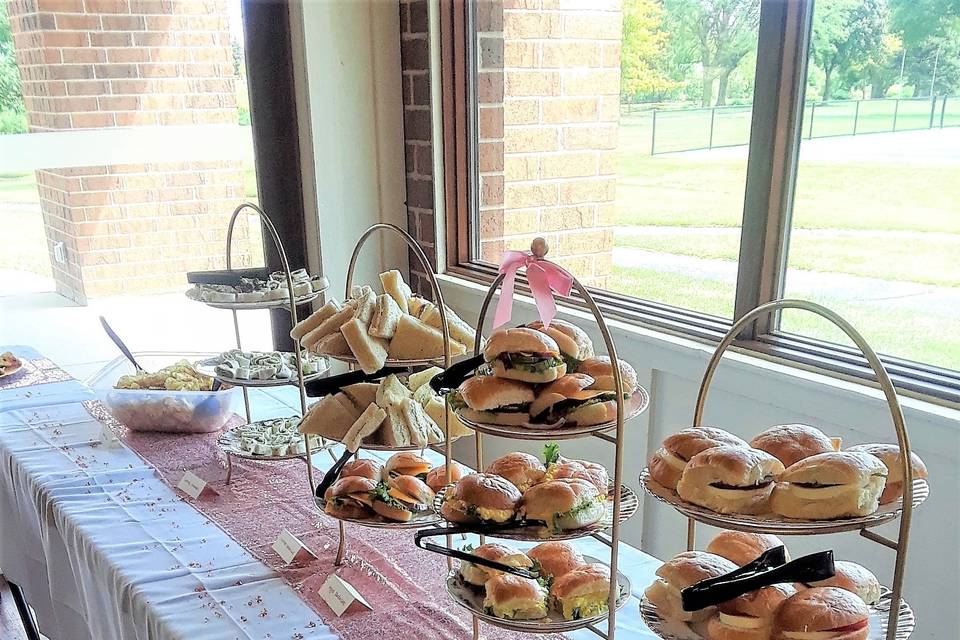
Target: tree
847 34
11 97
643 56
930 32
717 34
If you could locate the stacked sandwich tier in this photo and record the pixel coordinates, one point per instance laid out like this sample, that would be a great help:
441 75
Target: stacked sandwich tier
849 605
394 327
392 414
254 293
787 478
542 382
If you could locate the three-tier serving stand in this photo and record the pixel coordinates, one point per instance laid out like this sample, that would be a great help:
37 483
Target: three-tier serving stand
290 304
899 620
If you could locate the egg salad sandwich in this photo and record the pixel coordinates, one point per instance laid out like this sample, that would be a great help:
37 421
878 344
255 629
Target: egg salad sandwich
522 469
555 558
514 598
477 575
481 498
583 592
565 504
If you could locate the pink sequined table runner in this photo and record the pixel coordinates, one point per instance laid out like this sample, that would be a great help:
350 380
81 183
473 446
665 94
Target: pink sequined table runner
404 584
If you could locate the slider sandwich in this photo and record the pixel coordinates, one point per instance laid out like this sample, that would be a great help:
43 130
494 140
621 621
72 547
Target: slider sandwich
401 498
684 570
481 498
854 578
595 474
565 504
790 443
437 477
575 345
750 616
514 598
743 548
571 399
583 592
488 399
350 497
555 559
524 354
405 463
730 479
601 370
822 613
830 485
671 458
477 574
522 469
363 468
889 454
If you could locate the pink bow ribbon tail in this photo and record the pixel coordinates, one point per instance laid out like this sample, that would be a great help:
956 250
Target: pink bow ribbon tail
544 278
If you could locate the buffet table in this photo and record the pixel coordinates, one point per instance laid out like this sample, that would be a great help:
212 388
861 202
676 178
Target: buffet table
104 547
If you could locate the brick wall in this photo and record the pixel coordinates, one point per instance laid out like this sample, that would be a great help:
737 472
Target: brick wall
91 64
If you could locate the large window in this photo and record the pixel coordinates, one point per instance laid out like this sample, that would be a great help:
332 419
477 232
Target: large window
690 159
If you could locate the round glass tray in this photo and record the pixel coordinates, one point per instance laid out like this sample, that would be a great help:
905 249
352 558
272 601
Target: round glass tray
280 303
879 613
229 443
418 521
349 358
629 503
471 599
635 405
210 370
775 524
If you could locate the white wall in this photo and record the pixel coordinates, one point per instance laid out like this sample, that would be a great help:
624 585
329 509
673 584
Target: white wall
352 52
747 395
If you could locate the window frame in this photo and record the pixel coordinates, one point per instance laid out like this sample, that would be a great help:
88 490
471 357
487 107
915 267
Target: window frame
775 136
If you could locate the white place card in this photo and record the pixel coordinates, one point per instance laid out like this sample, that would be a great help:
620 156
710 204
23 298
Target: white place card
291 549
340 594
193 485
108 438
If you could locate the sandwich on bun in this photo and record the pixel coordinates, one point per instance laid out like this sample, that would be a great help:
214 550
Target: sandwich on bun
601 370
571 399
350 497
841 484
524 354
822 613
522 469
477 574
555 559
405 463
479 498
671 458
750 616
582 592
595 474
437 477
575 345
514 598
402 497
365 468
854 578
565 504
889 454
742 548
730 479
492 400
790 443
679 573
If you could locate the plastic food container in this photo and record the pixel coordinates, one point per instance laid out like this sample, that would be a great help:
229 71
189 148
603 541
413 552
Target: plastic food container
161 410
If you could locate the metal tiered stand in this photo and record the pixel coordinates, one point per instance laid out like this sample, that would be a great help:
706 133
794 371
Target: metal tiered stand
894 615
625 502
446 360
291 305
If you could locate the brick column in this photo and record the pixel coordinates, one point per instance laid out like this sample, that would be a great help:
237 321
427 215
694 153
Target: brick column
86 64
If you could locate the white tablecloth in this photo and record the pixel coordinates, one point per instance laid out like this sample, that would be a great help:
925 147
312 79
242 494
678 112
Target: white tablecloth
104 549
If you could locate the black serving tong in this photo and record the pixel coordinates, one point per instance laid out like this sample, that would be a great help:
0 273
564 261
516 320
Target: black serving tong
418 539
325 386
120 345
333 473
227 277
454 376
759 573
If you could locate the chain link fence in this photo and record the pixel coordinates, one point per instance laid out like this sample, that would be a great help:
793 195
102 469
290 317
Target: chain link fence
669 130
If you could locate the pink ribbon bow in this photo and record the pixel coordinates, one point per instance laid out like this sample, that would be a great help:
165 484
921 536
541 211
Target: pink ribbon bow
543 276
